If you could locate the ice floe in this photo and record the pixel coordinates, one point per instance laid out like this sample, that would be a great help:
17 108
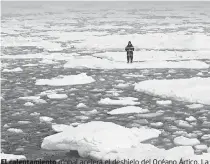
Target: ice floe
14 130
120 101
127 110
35 99
97 136
59 127
24 122
45 119
201 147
181 89
108 141
95 63
12 157
164 102
35 114
13 70
66 80
29 104
190 119
194 106
186 141
81 105
57 96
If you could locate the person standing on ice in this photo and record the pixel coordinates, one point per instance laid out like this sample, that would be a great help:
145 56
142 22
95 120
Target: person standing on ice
129 48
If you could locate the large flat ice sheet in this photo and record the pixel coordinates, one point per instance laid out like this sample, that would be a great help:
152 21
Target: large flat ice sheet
193 90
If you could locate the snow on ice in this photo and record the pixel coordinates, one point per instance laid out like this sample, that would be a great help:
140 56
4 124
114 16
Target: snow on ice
127 110
120 101
193 90
12 157
106 140
66 80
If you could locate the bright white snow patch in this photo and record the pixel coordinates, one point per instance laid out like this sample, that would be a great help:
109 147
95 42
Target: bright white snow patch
120 101
12 157
97 136
194 106
13 70
57 96
45 119
14 130
127 110
193 90
186 141
96 63
66 80
81 105
34 114
35 99
59 127
190 119
164 102
29 104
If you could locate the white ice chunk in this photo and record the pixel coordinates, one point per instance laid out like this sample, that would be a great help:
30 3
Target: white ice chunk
121 101
12 157
59 127
194 106
81 105
45 119
164 102
13 70
97 136
57 96
193 90
127 110
66 80
14 130
29 104
186 141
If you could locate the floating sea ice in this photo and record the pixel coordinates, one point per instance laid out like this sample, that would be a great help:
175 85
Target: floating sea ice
12 157
180 89
81 105
205 137
201 147
75 124
121 85
45 119
24 122
59 127
208 150
82 117
190 119
121 101
128 110
200 74
186 141
183 124
29 104
14 130
48 61
66 80
57 96
194 106
151 115
13 70
164 102
35 99
6 126
98 137
156 124
34 114
30 65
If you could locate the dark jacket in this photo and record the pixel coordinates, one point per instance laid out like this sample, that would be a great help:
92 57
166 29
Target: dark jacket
129 49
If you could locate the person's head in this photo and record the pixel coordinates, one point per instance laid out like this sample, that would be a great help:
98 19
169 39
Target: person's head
129 43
